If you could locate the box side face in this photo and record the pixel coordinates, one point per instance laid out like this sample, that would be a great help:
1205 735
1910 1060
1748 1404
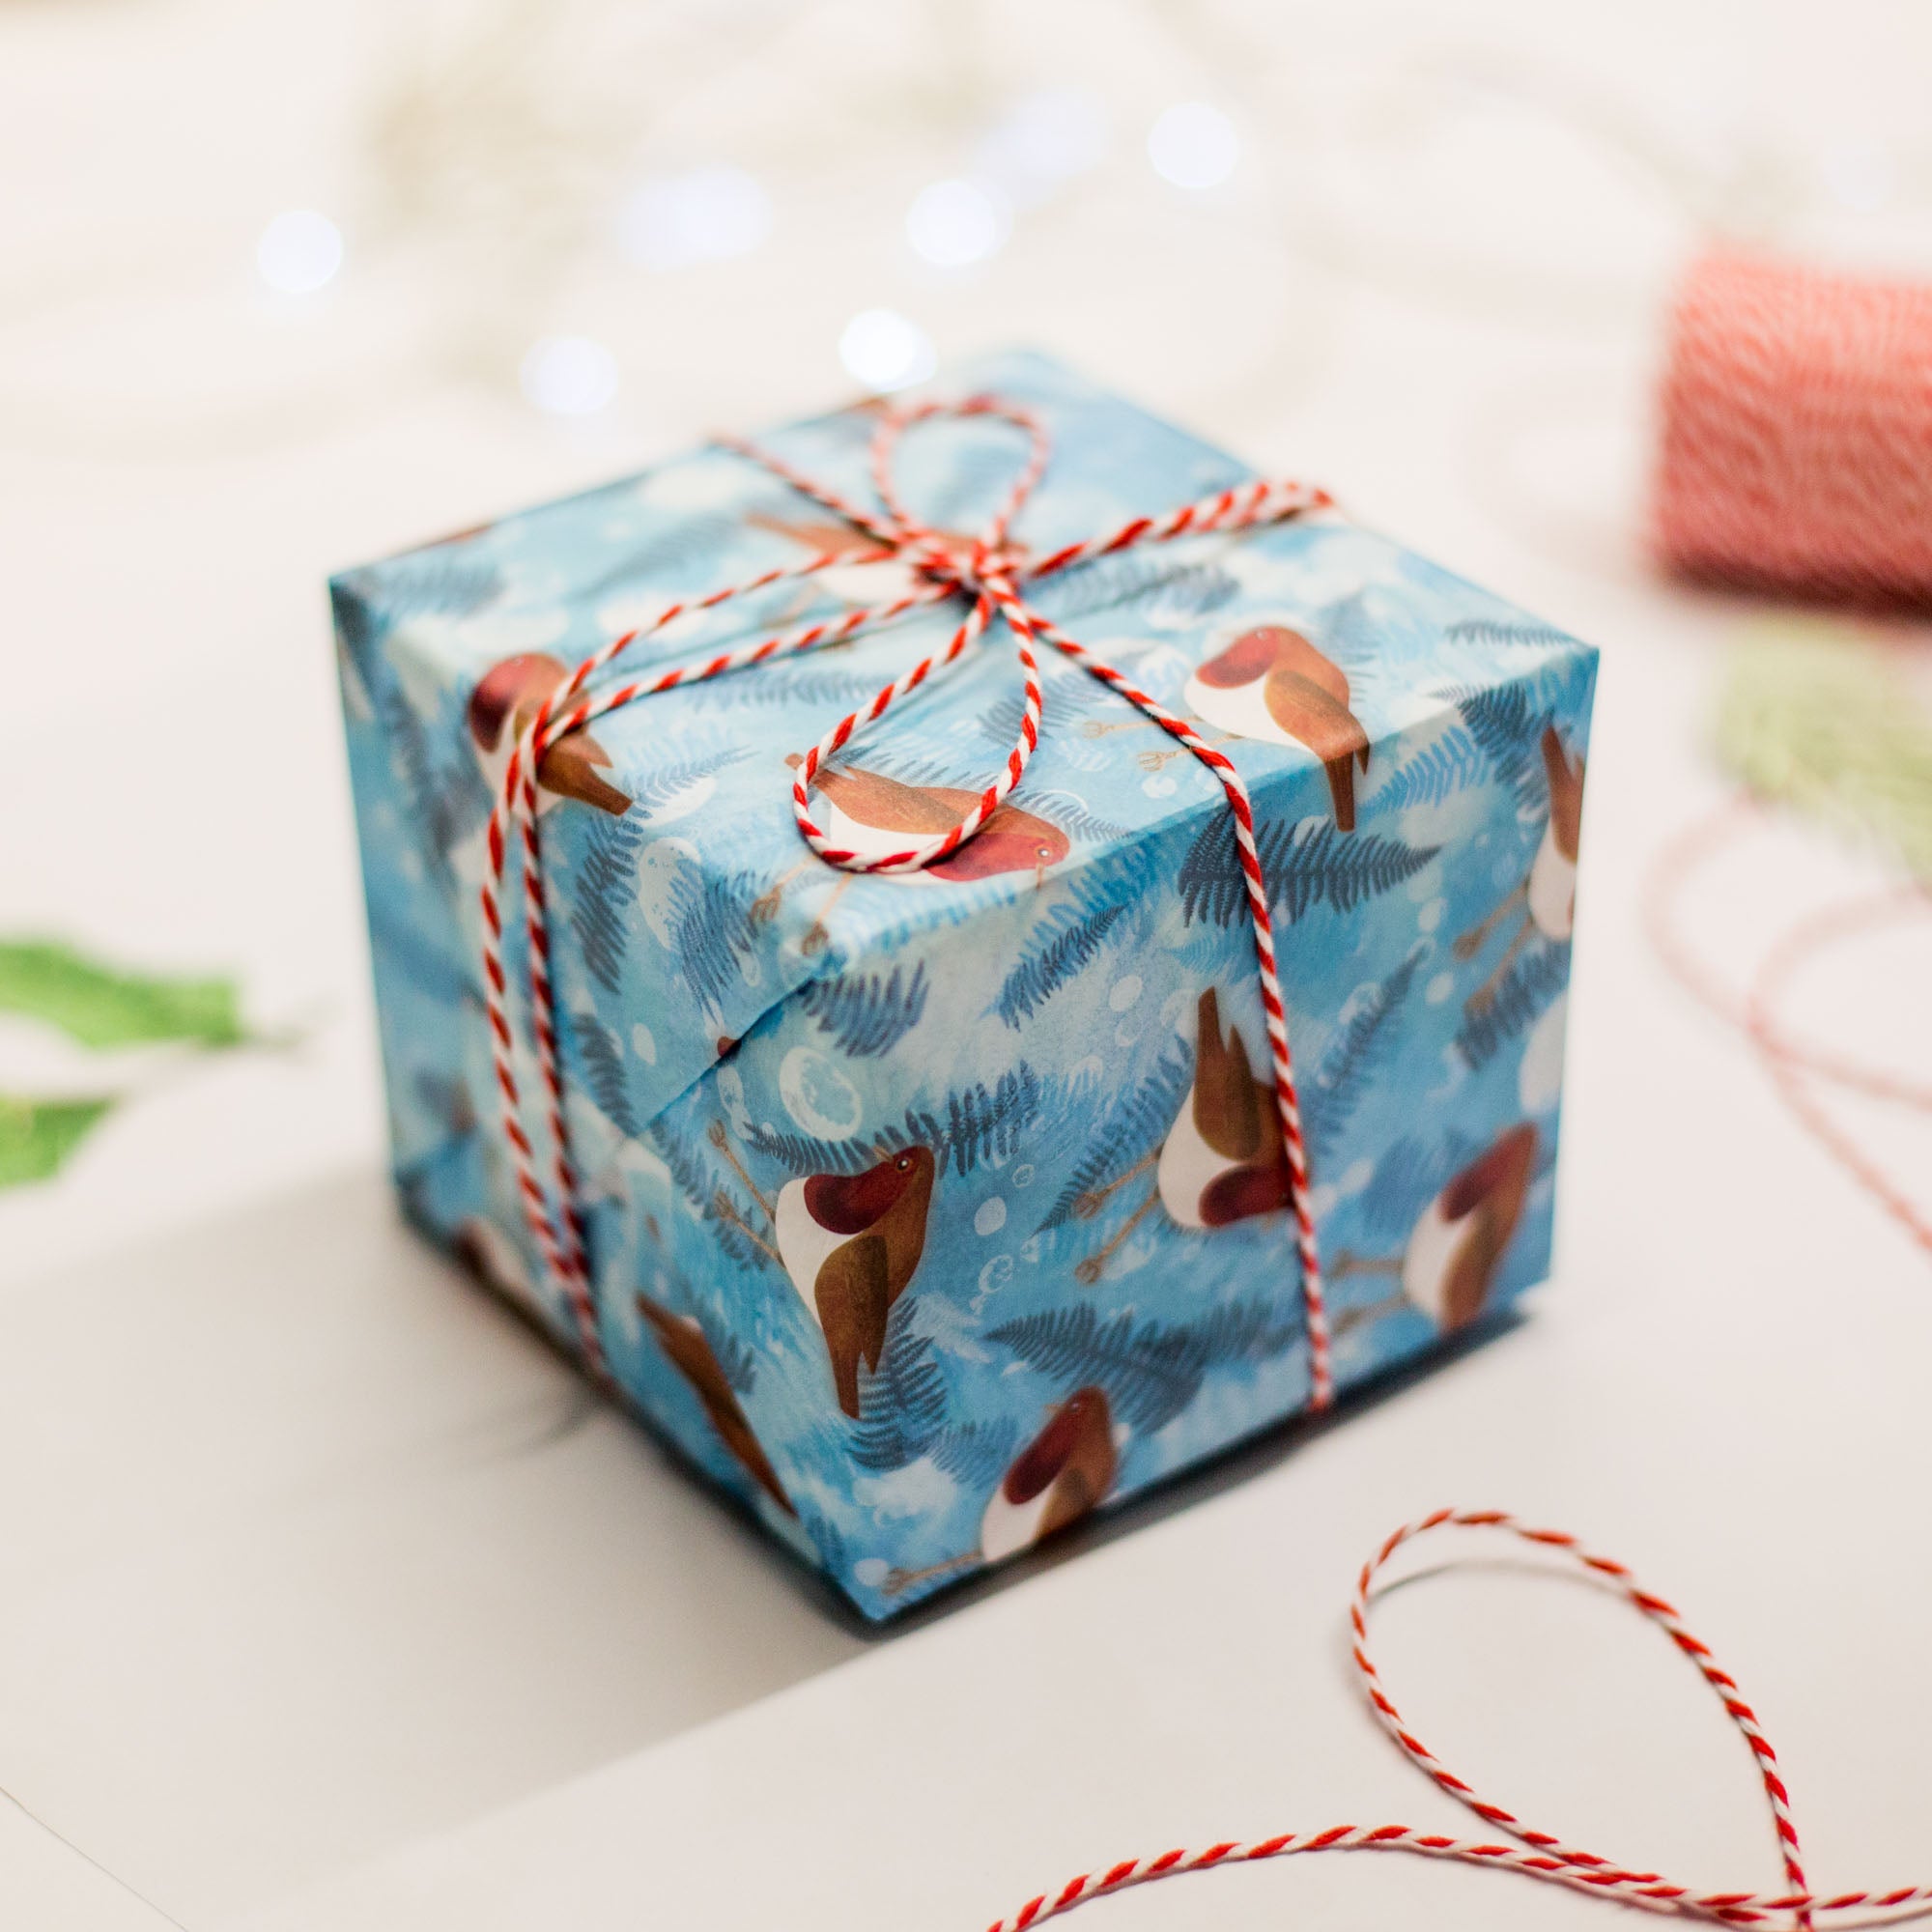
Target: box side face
1066 1261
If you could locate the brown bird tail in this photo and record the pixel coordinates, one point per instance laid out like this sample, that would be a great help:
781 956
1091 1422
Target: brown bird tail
569 768
1341 787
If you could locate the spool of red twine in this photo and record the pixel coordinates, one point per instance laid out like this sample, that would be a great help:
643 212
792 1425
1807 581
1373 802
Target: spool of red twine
1796 432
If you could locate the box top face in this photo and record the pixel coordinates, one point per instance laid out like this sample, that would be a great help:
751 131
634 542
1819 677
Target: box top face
695 783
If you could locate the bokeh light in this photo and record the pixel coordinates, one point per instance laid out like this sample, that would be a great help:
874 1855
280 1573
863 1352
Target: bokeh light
707 215
955 223
569 376
298 252
882 350
1193 145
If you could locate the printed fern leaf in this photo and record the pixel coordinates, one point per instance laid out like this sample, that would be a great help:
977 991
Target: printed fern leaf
603 1059
1167 589
1043 969
1348 1065
606 889
1523 994
1444 766
902 1402
1134 1126
1408 1178
977 1125
1151 1373
712 929
1305 865
869 1014
1501 720
664 784
1494 633
974 1453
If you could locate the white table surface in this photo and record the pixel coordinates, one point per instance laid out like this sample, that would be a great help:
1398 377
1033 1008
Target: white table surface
327 1599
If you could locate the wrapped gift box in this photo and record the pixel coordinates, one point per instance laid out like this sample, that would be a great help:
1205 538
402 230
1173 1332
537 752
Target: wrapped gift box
925 1214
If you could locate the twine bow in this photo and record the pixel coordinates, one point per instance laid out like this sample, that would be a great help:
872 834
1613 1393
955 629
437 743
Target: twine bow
986 571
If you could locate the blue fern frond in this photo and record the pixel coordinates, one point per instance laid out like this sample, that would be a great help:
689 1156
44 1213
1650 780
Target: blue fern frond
1504 723
1495 633
1166 588
603 894
1060 951
603 1058
1520 999
901 1403
1408 1178
1351 1060
664 784
867 1014
1150 1372
712 929
974 1126
1305 865
1444 766
682 551
1131 1127
974 1453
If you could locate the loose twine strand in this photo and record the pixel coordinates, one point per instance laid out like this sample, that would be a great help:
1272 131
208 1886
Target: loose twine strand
1787 1058
1534 1854
986 572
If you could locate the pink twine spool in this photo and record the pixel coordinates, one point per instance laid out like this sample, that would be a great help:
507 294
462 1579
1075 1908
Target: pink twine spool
1796 432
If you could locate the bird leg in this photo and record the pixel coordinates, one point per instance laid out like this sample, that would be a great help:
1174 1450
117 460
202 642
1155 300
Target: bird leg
765 907
1483 996
1090 1204
1348 1262
723 1208
899 1581
816 938
1090 1270
720 1139
1148 761
1477 937
1351 1319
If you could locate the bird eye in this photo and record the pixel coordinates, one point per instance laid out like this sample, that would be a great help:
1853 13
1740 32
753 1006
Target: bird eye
1044 851
904 1162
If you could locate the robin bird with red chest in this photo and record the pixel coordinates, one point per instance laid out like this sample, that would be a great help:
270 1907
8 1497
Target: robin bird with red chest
850 1243
1272 685
875 815
1546 898
1455 1251
1065 1472
501 709
1222 1161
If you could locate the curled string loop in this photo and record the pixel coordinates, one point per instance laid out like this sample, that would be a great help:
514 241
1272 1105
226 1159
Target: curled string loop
1523 1849
986 571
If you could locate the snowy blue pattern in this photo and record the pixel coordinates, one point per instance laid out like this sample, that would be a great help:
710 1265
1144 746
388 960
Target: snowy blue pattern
927 1214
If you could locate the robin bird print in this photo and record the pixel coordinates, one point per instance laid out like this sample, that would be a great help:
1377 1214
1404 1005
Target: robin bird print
690 1352
867 812
1544 902
1223 1160
1065 1470
1274 685
501 709
1452 1257
850 1243
867 572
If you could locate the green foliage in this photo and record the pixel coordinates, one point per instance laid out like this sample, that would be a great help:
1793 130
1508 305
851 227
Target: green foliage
1306 864
1151 1373
867 1014
1815 720
38 1137
102 1005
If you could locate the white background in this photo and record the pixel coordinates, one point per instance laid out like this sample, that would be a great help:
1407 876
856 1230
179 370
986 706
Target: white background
325 1597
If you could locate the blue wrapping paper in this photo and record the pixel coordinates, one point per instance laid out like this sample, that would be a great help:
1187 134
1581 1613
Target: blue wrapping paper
927 1214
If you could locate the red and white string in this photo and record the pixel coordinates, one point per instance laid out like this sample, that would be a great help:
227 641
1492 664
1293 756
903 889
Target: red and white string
987 571
1522 1848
